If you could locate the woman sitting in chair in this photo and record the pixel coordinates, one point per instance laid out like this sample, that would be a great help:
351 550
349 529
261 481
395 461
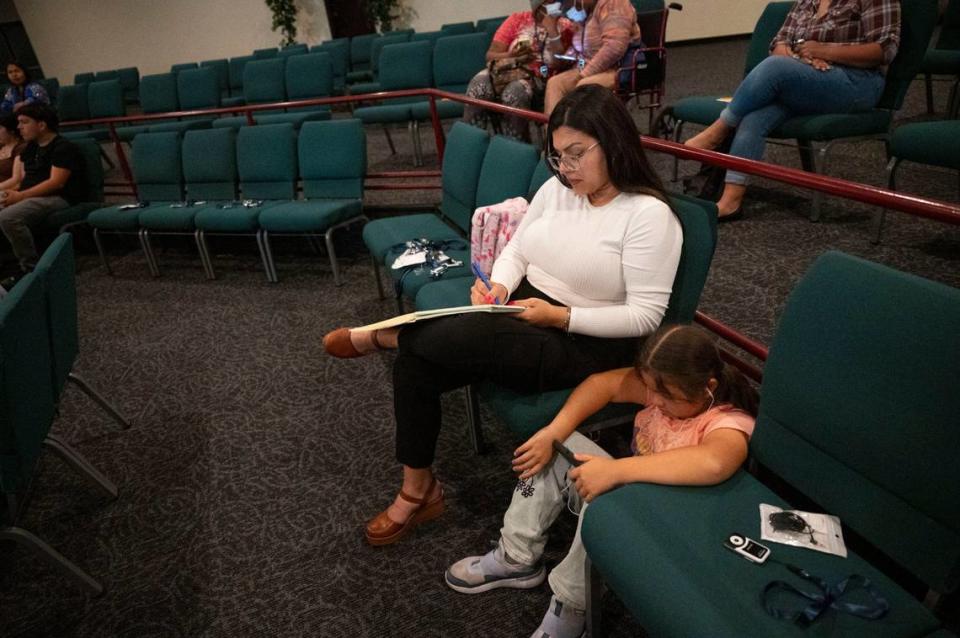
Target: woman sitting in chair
22 91
518 65
607 29
830 56
592 264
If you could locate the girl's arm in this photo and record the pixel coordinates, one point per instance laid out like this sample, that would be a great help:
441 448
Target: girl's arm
713 461
615 386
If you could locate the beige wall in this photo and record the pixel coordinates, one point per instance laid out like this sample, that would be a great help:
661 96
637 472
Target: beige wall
70 36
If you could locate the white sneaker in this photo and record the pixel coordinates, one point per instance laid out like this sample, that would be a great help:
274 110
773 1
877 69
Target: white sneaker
494 569
561 621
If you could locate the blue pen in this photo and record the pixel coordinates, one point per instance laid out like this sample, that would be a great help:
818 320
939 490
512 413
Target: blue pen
483 278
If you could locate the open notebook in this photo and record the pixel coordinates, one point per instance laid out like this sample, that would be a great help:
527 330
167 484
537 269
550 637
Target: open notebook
423 315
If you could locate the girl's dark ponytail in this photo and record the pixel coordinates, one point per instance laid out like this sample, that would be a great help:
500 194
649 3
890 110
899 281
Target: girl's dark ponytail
734 388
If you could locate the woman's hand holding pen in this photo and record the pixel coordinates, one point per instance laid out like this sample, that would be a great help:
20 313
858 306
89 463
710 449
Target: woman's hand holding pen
481 295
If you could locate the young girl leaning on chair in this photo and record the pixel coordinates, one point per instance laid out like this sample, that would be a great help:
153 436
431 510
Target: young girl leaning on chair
698 417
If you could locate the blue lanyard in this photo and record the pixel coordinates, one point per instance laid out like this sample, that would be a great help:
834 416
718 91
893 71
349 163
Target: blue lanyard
829 597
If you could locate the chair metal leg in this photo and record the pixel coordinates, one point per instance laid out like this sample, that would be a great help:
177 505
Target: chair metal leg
263 254
821 157
594 587
473 420
53 557
332 255
386 131
99 400
204 254
807 161
678 129
79 463
413 127
144 236
881 215
928 83
103 254
268 254
376 276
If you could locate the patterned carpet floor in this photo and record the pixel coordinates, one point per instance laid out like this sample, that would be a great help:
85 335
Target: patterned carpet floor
254 459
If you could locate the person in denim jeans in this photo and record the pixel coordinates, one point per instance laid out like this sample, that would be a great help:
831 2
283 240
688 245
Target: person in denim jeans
830 56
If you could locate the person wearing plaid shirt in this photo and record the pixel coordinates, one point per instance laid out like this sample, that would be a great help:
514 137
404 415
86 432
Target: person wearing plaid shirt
830 56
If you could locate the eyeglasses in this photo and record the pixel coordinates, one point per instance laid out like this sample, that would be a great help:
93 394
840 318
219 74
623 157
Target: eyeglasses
559 161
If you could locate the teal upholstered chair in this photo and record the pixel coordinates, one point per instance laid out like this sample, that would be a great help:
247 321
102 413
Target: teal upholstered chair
27 410
267 167
222 67
158 175
875 448
462 160
198 89
57 269
402 66
333 163
210 176
90 199
457 28
72 106
103 76
944 58
236 68
158 94
183 66
309 76
339 52
292 50
104 99
130 81
456 59
369 81
265 54
84 78
507 168
360 46
490 25
930 143
427 36
816 135
52 87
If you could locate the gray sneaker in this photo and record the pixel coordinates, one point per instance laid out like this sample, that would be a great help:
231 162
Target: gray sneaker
494 569
561 621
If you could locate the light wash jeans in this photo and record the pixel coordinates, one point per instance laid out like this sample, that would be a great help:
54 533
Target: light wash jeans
536 504
782 87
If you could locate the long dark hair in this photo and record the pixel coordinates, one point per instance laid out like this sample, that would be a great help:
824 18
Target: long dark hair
597 112
687 358
9 122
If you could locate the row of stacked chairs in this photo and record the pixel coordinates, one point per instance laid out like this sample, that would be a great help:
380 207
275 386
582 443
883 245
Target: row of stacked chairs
223 182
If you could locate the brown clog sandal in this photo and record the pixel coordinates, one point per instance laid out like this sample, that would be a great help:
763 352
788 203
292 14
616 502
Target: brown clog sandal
338 344
382 530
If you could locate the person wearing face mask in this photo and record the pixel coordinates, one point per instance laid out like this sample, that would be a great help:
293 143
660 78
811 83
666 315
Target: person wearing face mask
592 264
607 29
518 48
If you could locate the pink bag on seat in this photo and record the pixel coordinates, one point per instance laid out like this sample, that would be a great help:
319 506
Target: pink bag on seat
493 226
